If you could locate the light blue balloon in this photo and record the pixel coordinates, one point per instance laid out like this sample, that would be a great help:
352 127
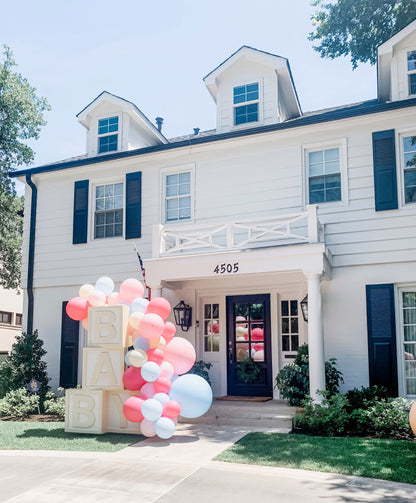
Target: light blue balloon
152 409
162 398
164 427
139 305
141 343
193 393
150 371
105 284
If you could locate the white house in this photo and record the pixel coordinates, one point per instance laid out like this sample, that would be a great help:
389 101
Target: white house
242 223
11 304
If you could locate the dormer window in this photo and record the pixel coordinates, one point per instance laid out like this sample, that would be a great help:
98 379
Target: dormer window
107 135
411 70
247 100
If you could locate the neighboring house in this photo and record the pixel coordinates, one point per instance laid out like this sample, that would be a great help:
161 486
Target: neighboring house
11 308
273 207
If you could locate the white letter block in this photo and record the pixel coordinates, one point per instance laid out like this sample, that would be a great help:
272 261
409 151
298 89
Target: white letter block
84 411
107 326
116 422
103 368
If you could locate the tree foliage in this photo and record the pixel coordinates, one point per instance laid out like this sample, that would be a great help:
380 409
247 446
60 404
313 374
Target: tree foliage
357 27
21 118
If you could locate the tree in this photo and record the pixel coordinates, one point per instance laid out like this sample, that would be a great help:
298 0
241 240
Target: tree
25 363
21 118
358 27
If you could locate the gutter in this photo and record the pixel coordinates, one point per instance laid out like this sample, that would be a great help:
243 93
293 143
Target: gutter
31 259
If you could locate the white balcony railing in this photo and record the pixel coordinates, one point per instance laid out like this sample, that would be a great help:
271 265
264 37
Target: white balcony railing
241 234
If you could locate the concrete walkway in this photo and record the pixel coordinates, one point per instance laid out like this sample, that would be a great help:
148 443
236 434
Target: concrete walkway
178 470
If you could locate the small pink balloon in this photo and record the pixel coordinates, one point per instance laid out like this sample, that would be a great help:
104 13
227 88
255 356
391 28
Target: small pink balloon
130 289
132 409
147 428
77 308
151 326
148 390
112 299
171 409
155 355
162 385
132 379
97 298
166 370
181 354
84 323
257 334
169 331
159 306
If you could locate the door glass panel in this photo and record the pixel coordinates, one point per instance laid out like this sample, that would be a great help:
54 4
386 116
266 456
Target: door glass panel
290 325
249 331
409 340
211 328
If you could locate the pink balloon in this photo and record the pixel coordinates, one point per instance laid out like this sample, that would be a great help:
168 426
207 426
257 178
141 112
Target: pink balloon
216 328
159 306
77 308
132 409
166 370
181 354
171 409
162 385
112 299
130 289
132 379
169 331
148 390
151 326
97 298
147 428
257 334
84 323
259 346
258 356
155 355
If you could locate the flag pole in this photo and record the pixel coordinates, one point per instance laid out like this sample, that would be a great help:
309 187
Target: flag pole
149 290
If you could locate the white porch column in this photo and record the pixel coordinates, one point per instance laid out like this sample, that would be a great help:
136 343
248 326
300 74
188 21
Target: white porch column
156 291
315 337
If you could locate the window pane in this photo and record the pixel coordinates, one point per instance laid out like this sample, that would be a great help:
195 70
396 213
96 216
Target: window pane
119 216
410 159
99 218
109 190
172 204
315 157
118 230
332 167
171 190
118 202
109 217
332 181
99 232
285 343
295 342
207 311
109 231
409 316
99 204
99 191
109 203
410 194
294 325
294 307
410 333
215 310
333 195
409 144
316 197
185 177
332 154
412 84
118 189
316 169
411 60
409 299
285 325
317 183
285 308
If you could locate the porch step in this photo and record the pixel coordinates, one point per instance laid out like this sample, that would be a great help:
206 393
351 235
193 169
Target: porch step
274 414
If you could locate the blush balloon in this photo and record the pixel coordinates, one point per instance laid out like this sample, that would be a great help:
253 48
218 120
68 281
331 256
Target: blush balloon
171 409
162 385
151 326
159 306
166 370
148 390
112 299
130 289
77 308
181 354
132 409
169 331
257 334
132 379
155 355
147 428
97 298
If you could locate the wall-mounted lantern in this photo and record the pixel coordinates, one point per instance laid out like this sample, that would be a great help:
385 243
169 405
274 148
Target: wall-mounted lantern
304 308
183 315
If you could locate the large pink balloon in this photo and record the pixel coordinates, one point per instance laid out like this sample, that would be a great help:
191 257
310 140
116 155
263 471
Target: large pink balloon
159 306
130 289
132 379
77 308
181 354
132 409
151 326
168 331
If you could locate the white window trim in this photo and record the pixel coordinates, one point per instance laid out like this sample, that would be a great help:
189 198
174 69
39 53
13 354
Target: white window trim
401 373
107 181
260 102
400 167
97 143
340 143
182 168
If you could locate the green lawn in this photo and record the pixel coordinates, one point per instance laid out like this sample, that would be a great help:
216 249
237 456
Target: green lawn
365 457
52 436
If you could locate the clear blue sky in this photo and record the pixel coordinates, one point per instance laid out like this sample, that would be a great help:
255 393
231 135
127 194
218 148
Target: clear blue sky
155 54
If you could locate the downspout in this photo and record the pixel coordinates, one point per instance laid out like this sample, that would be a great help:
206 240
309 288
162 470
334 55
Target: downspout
31 257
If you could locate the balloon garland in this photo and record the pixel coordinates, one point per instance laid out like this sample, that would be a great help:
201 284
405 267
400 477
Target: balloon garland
157 362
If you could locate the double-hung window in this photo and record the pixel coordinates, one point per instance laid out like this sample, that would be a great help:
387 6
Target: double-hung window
178 198
107 135
408 329
6 317
246 103
324 175
409 168
108 216
411 70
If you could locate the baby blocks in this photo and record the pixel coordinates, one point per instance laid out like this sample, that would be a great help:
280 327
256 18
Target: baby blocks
107 326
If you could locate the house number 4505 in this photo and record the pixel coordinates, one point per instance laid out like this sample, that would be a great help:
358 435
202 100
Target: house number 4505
226 268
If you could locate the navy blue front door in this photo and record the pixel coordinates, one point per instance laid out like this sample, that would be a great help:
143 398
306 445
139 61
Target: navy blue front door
249 345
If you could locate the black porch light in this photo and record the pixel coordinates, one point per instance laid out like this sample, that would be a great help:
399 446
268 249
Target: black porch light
183 315
304 308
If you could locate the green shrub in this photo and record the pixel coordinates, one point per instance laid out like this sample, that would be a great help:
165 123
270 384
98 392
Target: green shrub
329 418
201 368
19 403
365 397
293 380
55 405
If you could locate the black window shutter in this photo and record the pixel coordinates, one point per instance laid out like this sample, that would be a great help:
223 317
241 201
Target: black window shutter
80 225
385 178
68 375
381 325
133 205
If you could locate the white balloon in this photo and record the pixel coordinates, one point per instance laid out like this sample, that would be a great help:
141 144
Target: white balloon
139 305
152 409
137 357
164 427
150 371
162 398
105 284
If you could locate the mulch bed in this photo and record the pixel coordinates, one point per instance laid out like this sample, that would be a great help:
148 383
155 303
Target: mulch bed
33 418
